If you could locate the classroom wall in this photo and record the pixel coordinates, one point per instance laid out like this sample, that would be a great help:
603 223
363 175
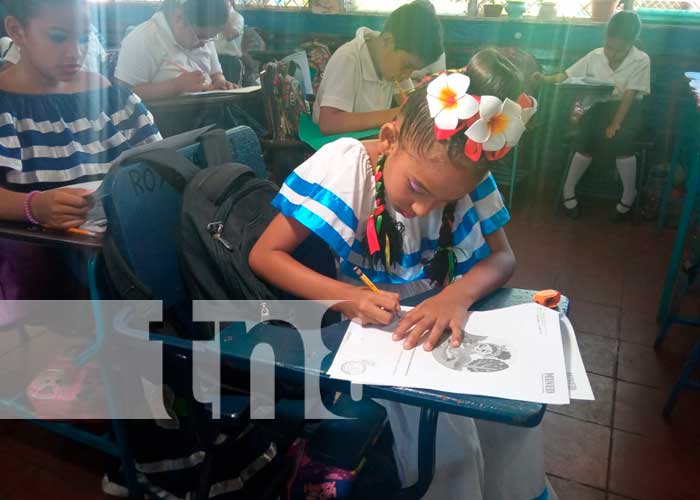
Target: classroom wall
555 44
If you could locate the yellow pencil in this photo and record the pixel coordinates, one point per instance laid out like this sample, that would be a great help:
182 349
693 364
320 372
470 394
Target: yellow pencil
365 279
82 232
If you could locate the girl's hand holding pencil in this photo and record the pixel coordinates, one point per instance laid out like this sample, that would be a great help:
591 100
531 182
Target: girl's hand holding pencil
372 305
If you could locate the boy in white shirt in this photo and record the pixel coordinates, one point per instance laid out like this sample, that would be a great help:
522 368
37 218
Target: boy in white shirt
358 83
611 126
173 52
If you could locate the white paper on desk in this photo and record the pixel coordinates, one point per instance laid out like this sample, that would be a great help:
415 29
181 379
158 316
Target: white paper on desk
514 353
239 90
579 385
303 73
96 220
587 81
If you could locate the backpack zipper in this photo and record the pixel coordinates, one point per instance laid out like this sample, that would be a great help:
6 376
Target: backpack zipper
215 229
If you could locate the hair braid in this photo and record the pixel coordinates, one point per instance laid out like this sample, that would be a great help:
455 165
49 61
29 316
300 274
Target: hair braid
441 269
384 240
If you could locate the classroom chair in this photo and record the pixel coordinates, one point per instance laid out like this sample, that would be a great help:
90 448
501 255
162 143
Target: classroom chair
145 229
602 181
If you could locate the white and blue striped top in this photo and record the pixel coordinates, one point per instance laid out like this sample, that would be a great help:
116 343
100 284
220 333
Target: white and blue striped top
332 194
58 140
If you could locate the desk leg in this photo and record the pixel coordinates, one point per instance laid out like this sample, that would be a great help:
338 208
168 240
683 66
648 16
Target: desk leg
686 216
426 456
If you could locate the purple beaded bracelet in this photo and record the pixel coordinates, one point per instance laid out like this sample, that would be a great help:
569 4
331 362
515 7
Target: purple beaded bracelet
28 207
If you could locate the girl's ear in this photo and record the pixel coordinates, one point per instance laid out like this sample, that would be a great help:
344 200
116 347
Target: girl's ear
389 137
15 30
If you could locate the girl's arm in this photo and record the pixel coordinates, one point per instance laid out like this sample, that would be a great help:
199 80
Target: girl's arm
336 121
188 81
622 110
557 78
271 259
448 309
56 208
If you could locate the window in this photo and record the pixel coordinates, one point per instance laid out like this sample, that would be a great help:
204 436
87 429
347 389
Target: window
565 8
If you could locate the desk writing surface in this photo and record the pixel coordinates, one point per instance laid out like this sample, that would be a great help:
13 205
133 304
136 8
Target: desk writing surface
20 231
292 363
201 100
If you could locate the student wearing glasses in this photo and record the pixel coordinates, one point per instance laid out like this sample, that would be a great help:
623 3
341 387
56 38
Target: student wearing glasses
173 52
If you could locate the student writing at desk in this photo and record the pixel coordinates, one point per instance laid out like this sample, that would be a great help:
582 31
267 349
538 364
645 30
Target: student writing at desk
415 209
59 125
173 52
610 127
358 84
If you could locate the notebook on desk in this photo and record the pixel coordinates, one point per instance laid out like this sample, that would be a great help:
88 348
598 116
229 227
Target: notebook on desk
311 134
239 90
586 81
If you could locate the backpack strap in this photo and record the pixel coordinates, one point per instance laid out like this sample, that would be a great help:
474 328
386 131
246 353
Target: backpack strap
216 147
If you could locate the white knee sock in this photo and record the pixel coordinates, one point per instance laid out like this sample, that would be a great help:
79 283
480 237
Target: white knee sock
579 164
627 167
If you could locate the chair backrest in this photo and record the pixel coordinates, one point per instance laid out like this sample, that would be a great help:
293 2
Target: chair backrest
144 213
245 149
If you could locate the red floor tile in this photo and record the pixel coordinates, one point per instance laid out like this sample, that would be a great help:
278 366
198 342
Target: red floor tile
599 353
598 411
570 490
44 484
595 318
638 411
646 470
576 450
643 365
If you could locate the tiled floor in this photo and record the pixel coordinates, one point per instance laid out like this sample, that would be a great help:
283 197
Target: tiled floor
618 447
615 448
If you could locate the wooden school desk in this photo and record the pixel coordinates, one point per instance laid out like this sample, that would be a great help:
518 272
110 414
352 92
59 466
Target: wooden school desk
174 115
292 364
553 127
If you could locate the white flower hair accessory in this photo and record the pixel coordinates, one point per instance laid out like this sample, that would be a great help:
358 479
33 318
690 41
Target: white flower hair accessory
493 126
449 102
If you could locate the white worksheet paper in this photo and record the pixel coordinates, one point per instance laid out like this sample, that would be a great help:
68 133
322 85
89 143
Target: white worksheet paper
579 385
239 90
514 353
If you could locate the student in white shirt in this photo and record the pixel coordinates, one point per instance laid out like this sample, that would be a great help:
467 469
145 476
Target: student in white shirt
228 46
358 83
174 52
95 55
611 127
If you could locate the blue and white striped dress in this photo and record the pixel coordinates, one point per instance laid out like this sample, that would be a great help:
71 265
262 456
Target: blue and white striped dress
59 140
332 194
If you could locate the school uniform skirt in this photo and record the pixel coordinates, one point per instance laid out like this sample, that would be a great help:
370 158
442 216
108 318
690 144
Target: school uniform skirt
591 140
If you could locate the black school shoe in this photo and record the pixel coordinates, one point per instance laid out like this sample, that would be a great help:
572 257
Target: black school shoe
573 213
618 217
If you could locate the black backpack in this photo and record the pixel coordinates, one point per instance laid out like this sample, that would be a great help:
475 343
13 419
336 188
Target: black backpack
225 209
